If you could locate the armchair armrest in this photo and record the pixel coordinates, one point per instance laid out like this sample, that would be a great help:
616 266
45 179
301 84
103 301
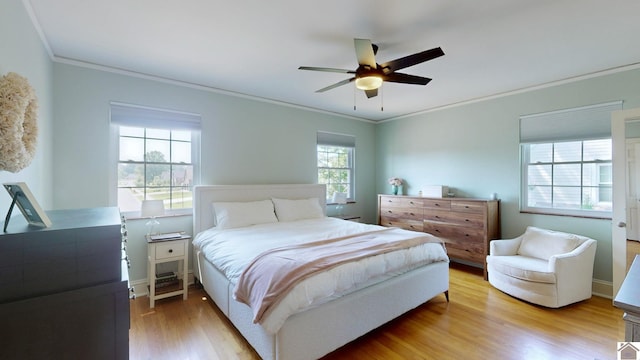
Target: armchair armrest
581 257
504 247
574 272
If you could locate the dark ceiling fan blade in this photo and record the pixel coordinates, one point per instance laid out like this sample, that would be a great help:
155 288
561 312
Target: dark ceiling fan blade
364 52
410 60
406 79
371 93
312 68
343 82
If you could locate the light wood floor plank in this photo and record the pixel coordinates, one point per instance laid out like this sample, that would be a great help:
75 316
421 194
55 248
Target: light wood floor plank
479 322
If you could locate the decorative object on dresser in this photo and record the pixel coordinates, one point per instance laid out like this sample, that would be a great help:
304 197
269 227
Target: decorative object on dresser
628 299
466 225
166 248
436 191
63 293
396 185
28 205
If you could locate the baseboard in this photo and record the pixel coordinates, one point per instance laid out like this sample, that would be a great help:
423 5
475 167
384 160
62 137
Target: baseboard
602 288
141 286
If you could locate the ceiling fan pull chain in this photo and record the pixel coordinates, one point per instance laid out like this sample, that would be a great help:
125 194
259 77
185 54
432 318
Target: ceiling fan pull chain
381 98
354 98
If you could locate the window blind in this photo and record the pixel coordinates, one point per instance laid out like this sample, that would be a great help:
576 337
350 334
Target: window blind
587 122
153 118
333 139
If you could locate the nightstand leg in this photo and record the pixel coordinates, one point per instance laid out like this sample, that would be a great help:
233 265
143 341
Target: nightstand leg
185 279
152 283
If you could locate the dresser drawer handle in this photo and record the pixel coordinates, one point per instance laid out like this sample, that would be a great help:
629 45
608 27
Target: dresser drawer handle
390 212
412 214
170 251
467 220
411 202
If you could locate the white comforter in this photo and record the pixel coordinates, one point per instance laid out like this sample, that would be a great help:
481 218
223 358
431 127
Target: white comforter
231 250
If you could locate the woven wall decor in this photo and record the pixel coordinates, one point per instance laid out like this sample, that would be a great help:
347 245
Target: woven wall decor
18 122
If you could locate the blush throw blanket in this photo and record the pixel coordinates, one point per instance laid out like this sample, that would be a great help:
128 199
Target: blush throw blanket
268 278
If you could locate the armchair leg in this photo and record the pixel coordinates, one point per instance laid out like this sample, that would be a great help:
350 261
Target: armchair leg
446 295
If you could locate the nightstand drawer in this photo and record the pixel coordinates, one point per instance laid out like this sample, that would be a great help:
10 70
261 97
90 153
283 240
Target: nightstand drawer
169 250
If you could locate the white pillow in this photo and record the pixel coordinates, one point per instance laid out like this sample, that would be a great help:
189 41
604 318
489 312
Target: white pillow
291 210
542 244
231 215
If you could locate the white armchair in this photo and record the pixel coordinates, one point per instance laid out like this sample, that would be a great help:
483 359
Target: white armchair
544 267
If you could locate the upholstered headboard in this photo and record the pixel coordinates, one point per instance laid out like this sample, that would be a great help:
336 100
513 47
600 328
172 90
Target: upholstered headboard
205 195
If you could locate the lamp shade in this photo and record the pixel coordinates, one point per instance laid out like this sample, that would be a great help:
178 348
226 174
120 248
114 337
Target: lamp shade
339 198
152 208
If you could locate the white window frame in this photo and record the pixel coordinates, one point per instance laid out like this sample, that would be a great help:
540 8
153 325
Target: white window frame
581 124
553 209
151 118
339 141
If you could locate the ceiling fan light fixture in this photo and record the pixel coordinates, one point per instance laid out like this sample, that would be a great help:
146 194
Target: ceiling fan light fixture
370 82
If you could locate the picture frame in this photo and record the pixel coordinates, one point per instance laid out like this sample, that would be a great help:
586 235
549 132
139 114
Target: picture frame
28 205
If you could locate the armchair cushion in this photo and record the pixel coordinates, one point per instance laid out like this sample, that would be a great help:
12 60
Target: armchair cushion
542 243
524 268
544 267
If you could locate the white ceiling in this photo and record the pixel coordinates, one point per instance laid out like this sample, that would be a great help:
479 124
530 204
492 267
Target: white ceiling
254 47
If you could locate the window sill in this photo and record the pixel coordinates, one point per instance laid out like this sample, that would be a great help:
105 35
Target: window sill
135 215
348 202
584 216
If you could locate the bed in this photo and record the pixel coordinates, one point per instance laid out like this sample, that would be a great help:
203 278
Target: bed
325 325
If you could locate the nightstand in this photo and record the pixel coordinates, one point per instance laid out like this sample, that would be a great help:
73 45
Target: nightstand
169 284
354 218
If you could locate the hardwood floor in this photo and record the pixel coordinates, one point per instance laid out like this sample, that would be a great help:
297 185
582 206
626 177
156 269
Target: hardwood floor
479 322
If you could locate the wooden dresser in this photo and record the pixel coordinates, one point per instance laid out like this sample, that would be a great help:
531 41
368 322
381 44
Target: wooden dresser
466 225
63 290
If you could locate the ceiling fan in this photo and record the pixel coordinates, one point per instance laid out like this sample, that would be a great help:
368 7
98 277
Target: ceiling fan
370 75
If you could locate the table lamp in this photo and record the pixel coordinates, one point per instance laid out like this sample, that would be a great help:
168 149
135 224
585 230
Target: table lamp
340 199
152 208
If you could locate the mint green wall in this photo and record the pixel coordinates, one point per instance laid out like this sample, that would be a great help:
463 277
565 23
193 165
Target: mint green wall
21 51
243 141
474 149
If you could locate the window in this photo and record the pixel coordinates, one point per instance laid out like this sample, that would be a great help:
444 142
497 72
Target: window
566 159
572 177
336 163
157 157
